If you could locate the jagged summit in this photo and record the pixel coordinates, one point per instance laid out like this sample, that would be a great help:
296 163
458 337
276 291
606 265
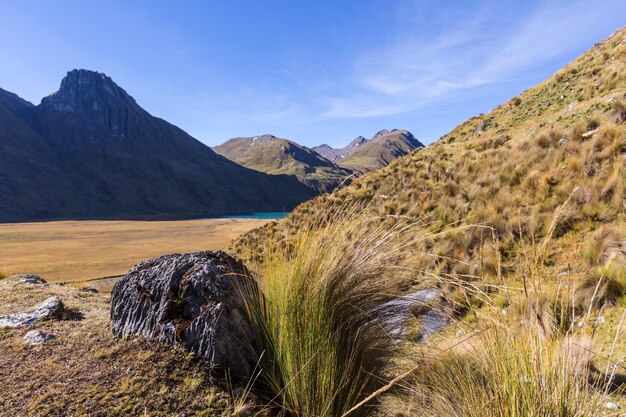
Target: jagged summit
85 90
334 155
364 154
95 97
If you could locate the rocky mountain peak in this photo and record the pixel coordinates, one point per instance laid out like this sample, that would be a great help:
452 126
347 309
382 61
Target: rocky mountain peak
95 98
380 133
358 141
85 91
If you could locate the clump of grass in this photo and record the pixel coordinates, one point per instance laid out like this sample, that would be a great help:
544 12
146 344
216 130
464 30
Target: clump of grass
605 250
322 347
607 243
506 372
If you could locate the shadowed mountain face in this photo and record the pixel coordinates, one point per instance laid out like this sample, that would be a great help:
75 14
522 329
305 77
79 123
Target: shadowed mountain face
90 151
274 155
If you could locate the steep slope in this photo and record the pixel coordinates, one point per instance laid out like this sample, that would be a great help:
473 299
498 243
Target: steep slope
114 159
274 155
30 177
337 154
549 163
385 147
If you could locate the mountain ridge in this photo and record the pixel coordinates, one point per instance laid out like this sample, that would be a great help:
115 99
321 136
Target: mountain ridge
112 159
272 155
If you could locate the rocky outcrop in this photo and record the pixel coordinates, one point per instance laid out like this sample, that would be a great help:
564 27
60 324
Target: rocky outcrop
50 308
29 279
192 300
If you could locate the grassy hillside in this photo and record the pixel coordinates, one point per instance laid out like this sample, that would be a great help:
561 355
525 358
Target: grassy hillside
380 151
563 140
518 218
274 155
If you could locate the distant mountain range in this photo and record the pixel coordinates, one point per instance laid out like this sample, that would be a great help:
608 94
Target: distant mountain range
322 168
337 154
90 151
364 155
274 155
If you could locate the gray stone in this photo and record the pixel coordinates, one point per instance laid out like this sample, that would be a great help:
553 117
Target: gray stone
48 309
89 289
190 300
37 337
394 314
30 279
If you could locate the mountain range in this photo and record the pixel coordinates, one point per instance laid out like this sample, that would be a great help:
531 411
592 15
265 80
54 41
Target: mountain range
90 151
274 155
322 168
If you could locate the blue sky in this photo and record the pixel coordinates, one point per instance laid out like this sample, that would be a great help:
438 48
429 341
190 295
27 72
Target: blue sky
315 72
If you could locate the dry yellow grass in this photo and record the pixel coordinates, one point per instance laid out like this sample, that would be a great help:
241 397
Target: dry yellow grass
82 250
85 371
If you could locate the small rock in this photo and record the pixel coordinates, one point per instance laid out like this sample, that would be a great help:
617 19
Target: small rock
562 141
590 133
89 289
609 405
572 105
610 99
37 337
30 279
601 320
504 312
49 308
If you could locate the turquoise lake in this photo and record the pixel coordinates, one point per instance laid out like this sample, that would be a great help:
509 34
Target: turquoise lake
257 215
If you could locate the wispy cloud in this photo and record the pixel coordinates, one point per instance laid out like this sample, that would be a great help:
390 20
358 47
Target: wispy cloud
479 52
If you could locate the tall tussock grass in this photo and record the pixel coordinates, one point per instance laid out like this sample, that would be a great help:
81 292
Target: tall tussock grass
508 372
321 348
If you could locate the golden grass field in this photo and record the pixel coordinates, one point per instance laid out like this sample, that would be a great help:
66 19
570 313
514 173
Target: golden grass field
76 251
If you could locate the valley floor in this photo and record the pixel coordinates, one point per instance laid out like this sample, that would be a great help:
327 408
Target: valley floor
75 251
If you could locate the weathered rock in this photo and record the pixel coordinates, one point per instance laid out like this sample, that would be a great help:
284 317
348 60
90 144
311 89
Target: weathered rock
89 289
394 314
30 279
48 309
191 300
37 337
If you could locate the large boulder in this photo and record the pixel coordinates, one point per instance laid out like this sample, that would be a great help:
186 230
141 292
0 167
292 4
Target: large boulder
192 300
